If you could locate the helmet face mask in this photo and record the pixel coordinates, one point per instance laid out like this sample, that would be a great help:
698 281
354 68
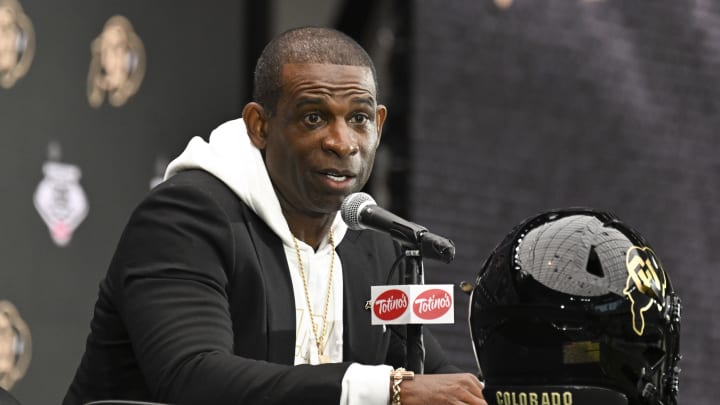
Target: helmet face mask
576 300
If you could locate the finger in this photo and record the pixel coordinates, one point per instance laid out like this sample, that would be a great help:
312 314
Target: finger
470 400
474 386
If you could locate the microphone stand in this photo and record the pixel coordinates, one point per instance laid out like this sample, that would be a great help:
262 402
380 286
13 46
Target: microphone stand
415 346
359 211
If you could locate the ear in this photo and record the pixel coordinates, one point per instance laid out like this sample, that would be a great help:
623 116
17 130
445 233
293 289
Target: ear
255 122
380 115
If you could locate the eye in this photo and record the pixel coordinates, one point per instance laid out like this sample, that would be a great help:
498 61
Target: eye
359 118
312 119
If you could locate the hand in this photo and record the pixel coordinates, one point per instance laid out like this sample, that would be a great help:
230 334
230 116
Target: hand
441 389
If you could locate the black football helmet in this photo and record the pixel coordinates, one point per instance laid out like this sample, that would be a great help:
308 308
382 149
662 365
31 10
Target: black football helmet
574 307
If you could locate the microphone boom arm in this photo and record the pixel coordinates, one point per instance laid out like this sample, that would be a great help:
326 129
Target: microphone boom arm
407 233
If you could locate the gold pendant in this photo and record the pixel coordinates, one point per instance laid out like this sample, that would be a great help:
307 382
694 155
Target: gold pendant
323 359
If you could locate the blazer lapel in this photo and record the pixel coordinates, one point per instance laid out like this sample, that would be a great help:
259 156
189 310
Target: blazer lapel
362 342
279 299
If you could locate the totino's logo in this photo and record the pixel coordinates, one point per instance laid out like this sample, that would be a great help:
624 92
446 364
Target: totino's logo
432 304
390 305
645 284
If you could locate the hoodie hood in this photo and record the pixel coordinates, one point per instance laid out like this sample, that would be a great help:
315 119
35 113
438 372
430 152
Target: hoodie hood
230 156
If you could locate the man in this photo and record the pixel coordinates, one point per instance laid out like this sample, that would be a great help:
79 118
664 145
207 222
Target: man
236 281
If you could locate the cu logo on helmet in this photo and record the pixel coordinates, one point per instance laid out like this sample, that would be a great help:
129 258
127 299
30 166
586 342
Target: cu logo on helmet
432 304
390 305
645 285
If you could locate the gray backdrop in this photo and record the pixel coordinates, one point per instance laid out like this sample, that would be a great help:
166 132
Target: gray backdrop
194 80
546 104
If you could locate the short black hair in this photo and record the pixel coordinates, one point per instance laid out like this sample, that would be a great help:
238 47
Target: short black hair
304 45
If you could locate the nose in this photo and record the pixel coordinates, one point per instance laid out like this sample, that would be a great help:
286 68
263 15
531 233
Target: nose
341 140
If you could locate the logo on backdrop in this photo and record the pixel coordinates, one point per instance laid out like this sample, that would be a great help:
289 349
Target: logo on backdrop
117 67
59 198
15 345
17 43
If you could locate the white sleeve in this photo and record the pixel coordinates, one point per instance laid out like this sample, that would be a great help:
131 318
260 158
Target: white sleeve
363 385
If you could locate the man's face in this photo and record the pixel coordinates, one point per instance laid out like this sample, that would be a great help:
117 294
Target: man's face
321 140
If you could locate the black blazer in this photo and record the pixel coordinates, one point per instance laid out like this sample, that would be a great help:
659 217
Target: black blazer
197 307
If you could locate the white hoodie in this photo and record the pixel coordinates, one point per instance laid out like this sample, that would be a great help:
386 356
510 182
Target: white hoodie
231 157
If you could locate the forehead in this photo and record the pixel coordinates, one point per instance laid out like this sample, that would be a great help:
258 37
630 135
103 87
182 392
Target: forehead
298 78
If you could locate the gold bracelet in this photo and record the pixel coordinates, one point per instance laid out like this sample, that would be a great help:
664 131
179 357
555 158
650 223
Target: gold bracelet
398 376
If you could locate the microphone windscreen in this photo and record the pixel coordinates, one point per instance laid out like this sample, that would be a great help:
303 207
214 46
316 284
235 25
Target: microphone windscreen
350 209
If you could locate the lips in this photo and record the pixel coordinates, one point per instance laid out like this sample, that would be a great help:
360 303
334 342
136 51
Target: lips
338 179
338 175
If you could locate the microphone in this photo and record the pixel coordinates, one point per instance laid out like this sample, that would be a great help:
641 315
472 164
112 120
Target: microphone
360 211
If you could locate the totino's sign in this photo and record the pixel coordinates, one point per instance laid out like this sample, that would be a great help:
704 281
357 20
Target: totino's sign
412 304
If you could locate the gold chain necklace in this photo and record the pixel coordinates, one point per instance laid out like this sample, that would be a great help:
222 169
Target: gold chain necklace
318 340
